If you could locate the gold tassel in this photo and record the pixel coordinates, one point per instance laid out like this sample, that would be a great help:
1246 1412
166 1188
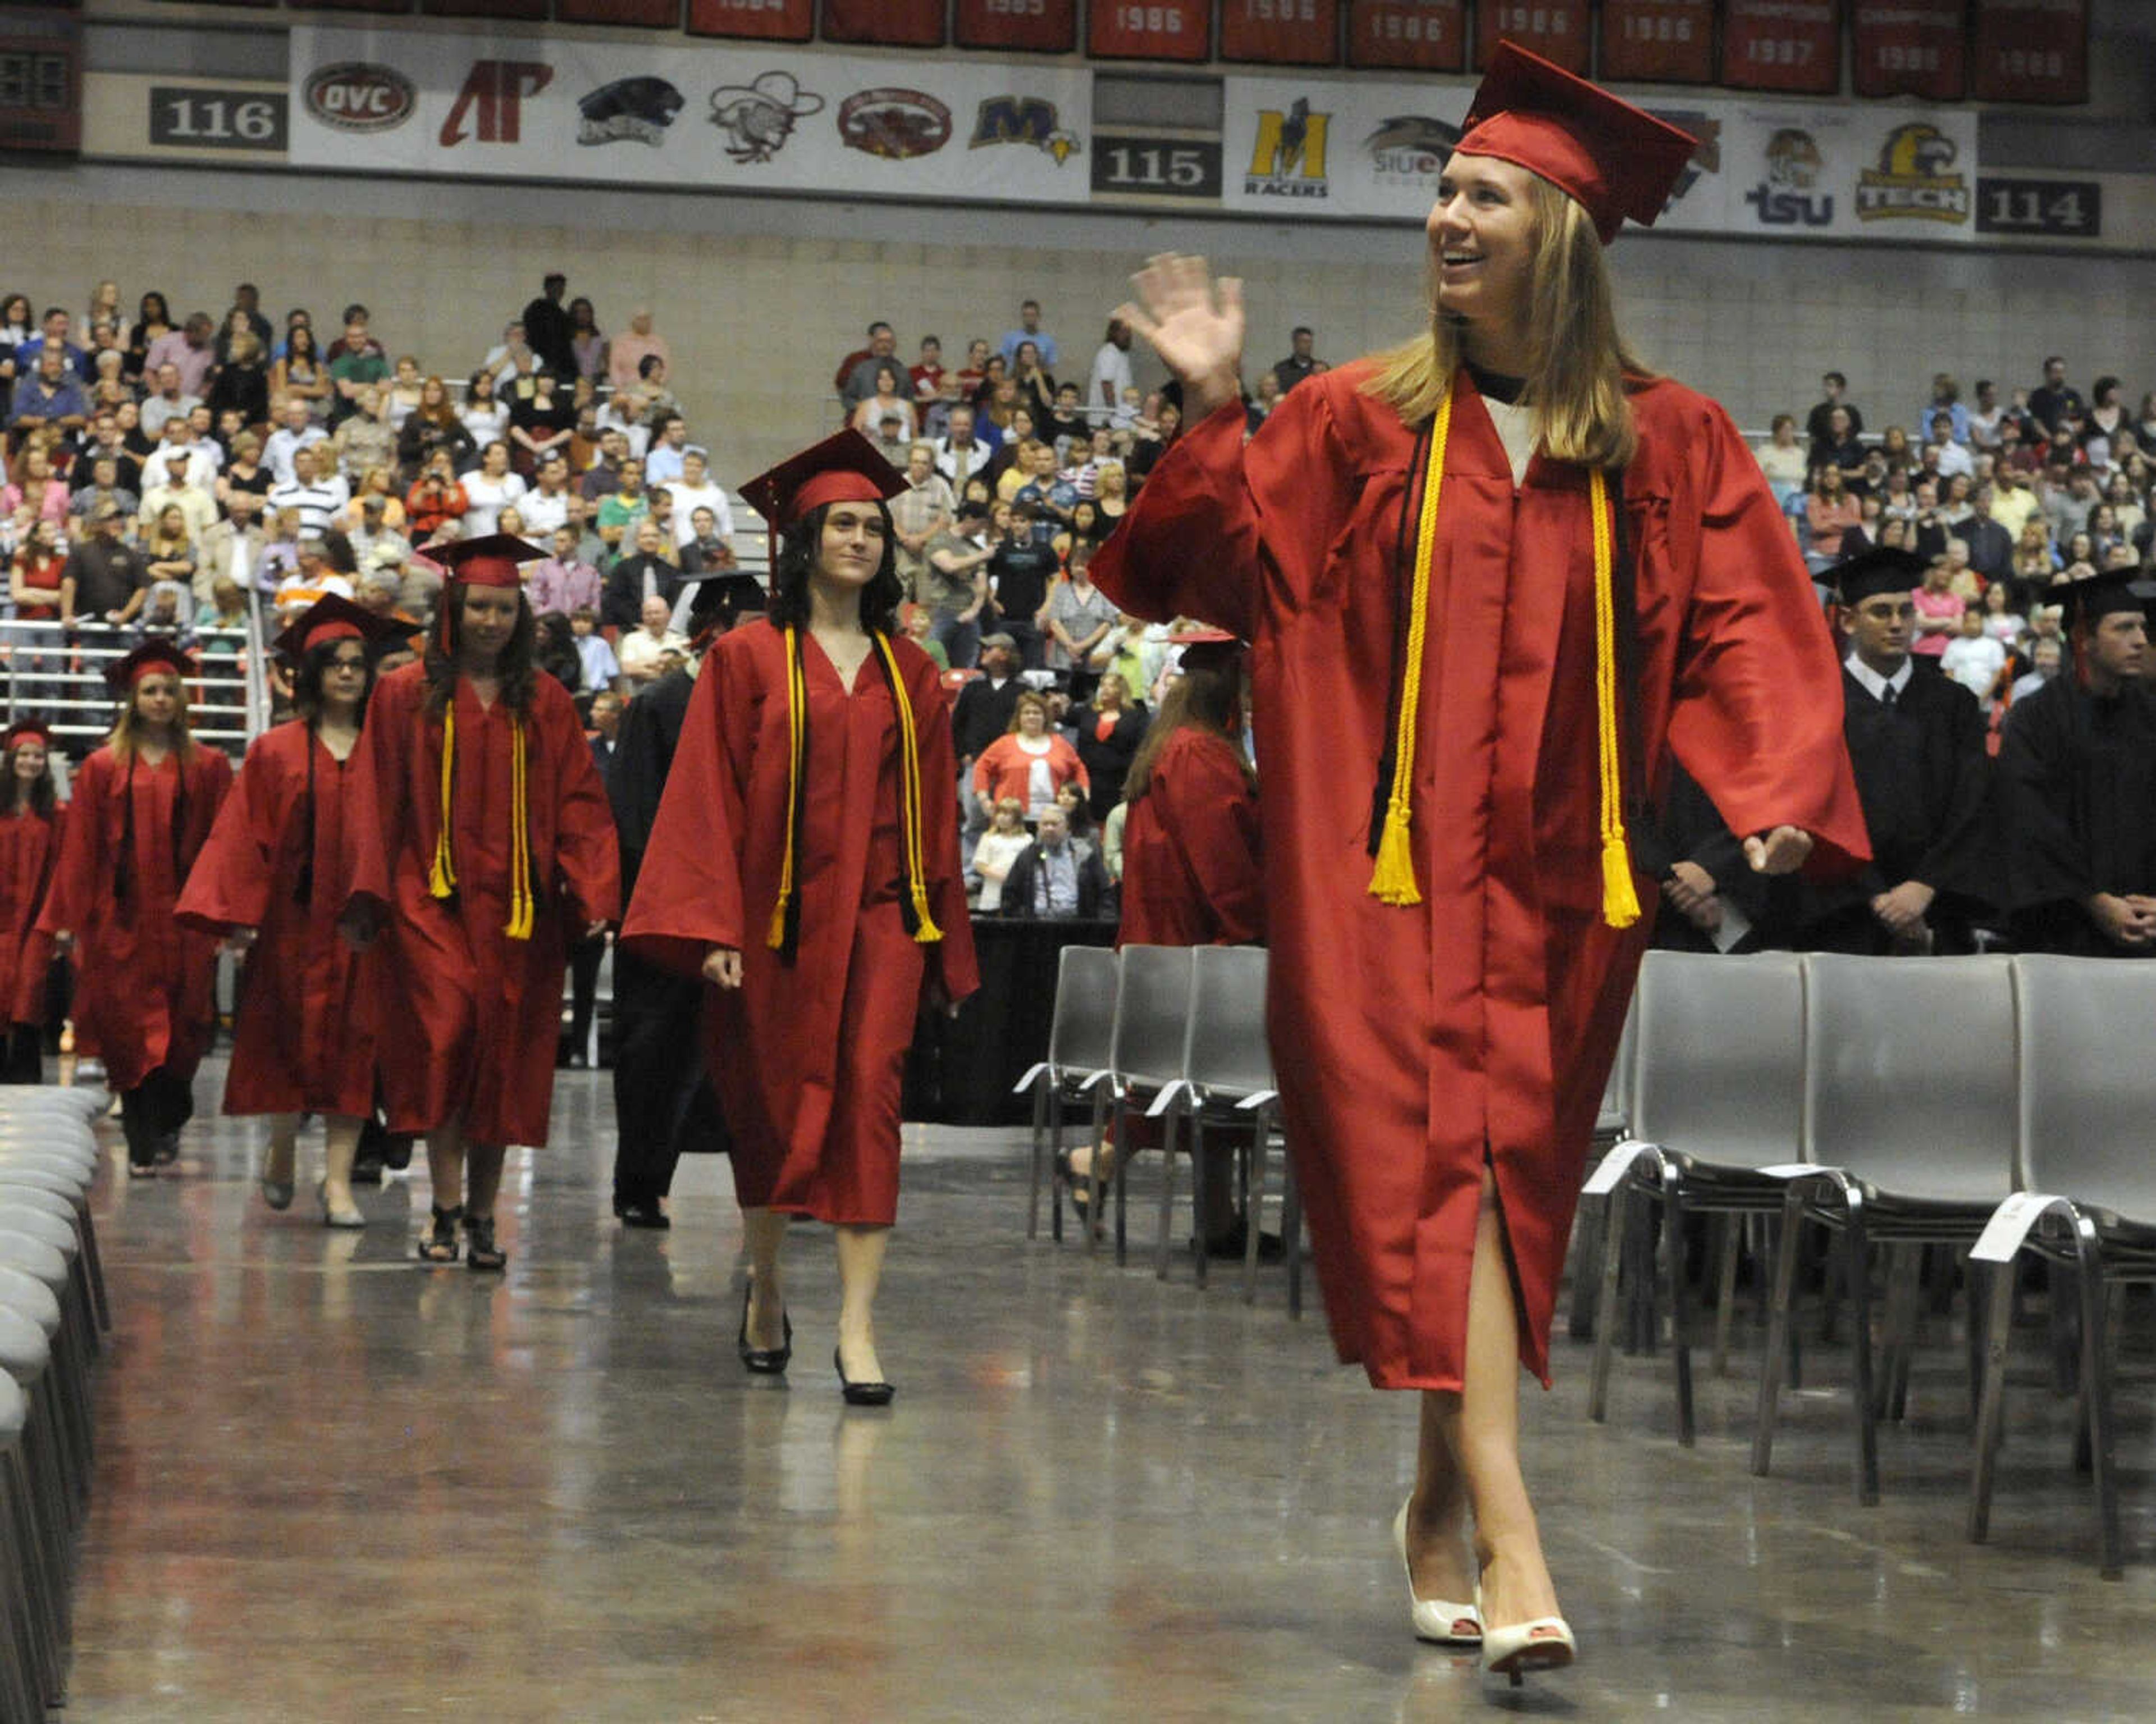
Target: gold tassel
925 931
1392 880
1621 901
796 703
442 874
521 911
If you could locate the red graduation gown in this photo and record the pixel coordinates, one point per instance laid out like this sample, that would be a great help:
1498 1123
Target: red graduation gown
806 1057
1191 874
1409 1043
29 848
478 1015
144 987
304 1041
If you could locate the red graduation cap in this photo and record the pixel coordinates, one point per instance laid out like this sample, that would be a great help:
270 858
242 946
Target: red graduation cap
334 618
26 730
160 652
1206 649
842 469
490 560
1616 160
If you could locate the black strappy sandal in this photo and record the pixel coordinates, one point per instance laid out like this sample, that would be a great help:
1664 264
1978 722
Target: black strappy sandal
480 1252
439 1245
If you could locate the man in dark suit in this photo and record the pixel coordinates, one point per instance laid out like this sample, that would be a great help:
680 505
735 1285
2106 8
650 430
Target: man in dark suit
643 573
1053 877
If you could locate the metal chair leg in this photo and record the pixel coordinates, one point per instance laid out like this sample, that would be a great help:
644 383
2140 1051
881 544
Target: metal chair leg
2095 1372
1605 1303
1040 1087
1725 1291
1857 1243
1093 1184
1056 1191
1778 1326
1291 1223
1254 1212
1673 1228
1990 1419
1200 1198
1587 1239
1167 1198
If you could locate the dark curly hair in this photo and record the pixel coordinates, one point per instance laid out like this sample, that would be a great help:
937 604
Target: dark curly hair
42 795
307 679
795 562
517 666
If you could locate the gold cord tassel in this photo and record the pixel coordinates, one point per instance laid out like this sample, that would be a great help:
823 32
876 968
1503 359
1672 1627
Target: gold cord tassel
1621 902
1393 881
442 875
925 930
796 711
522 913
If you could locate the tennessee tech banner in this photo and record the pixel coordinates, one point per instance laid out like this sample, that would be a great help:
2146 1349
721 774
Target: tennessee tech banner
688 114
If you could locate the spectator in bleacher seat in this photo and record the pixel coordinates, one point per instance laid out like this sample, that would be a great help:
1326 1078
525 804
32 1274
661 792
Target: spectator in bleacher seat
242 472
886 397
695 489
1109 729
891 437
1946 398
654 373
364 439
318 492
172 486
626 505
47 396
2053 399
1820 430
1018 574
932 384
1079 619
300 371
1029 761
1066 429
2046 657
548 327
563 582
587 341
231 548
1782 459
101 439
153 316
375 507
1830 510
241 384
1035 383
662 460
959 453
1942 454
30 816
104 571
1265 398
198 471
294 431
2077 765
626 355
489 489
542 421
484 415
1028 330
143 806
646 573
1053 877
856 373
654 646
603 476
1149 441
16 325
601 668
1939 609
1976 659
357 362
191 350
433 424
546 506
1004 842
925 509
34 492
406 391
953 588
707 550
102 485
1301 360
435 499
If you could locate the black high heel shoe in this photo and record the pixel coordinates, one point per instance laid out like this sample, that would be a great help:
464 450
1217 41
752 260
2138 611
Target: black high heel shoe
763 1361
860 1394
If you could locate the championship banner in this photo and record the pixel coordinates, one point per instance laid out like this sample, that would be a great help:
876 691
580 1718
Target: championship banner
1416 35
1918 48
526 10
1658 41
765 20
1555 29
1149 29
2030 51
674 114
1288 33
1035 26
1790 45
643 14
888 23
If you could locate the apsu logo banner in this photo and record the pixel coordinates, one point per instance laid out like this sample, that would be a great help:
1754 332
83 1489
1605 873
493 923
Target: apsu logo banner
358 96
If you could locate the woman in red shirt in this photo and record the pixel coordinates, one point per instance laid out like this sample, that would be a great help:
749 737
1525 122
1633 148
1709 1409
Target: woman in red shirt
1030 762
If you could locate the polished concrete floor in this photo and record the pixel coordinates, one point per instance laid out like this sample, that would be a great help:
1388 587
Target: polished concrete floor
332 1485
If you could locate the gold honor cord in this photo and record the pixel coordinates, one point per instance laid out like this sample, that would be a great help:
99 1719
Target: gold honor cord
797 737
442 876
1392 880
442 873
925 930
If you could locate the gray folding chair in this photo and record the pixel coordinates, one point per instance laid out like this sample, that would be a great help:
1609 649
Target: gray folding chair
1080 1046
2085 1159
41 1174
1910 1102
21 1700
1613 1123
35 1511
1228 1080
1716 1094
1153 1009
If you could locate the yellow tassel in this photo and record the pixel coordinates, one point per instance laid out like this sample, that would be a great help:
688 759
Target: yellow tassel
1621 901
442 873
796 700
522 914
1392 880
925 931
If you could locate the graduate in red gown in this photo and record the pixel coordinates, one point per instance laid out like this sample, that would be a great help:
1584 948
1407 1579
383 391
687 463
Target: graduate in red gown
30 818
805 863
272 880
1490 578
143 804
477 913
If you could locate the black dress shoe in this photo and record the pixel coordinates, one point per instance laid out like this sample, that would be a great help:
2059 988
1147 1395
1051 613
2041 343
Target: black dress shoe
763 1361
860 1394
396 1152
1232 1241
641 1213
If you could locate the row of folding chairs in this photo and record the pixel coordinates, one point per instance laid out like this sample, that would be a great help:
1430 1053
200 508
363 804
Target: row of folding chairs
53 1320
1175 1035
1991 1105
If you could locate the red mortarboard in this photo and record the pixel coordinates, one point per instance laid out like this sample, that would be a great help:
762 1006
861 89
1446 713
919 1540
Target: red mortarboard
24 729
1615 159
1206 649
490 560
333 618
160 652
845 468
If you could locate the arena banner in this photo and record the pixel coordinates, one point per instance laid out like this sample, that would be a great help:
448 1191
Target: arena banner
887 23
1287 33
1843 172
1792 46
1913 48
1149 29
528 10
1416 35
688 115
1035 26
764 20
2029 51
1657 41
642 14
1555 29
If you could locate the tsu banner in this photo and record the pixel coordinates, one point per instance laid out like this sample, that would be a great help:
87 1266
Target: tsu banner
688 115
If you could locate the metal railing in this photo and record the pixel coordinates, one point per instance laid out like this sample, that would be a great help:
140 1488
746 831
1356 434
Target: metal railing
57 675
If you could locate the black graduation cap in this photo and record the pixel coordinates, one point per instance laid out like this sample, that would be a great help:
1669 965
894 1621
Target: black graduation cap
725 595
1882 569
2089 601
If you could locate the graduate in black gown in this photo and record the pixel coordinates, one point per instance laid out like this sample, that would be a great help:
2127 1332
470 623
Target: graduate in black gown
662 1104
2077 764
1714 899
1924 776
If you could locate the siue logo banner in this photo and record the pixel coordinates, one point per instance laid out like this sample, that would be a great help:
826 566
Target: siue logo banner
1790 195
1023 120
639 108
1288 158
1913 180
1410 151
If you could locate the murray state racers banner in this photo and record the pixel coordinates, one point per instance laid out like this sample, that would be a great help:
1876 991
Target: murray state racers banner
1417 36
1658 41
1289 32
1036 26
1555 29
764 20
890 24
1915 47
689 115
1793 45
2030 51
1149 29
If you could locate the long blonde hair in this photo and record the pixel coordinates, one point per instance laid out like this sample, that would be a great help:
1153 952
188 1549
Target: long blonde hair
124 740
1577 360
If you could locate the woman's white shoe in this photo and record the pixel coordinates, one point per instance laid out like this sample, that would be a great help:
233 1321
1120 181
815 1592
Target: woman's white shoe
1543 1644
1437 1620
